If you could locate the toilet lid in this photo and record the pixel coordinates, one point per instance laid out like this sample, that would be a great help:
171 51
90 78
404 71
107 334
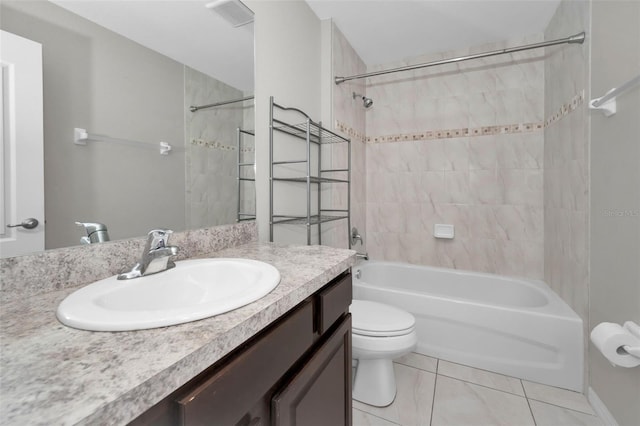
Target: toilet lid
377 319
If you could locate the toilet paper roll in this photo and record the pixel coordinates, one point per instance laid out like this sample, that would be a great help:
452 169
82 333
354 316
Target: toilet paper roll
609 338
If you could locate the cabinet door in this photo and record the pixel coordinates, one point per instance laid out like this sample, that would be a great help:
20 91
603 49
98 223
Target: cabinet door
319 393
227 395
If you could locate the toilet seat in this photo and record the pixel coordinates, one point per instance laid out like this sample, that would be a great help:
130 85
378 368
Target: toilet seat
380 320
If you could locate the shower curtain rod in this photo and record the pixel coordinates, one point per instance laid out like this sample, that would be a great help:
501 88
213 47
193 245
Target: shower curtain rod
196 108
578 38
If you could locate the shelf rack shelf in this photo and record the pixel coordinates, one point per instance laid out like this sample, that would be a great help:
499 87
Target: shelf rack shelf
302 220
241 164
317 133
313 179
311 133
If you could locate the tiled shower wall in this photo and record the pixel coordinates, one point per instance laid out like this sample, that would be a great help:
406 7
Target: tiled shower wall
463 145
566 161
211 143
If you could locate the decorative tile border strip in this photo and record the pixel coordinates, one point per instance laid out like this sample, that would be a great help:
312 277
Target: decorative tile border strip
502 129
459 133
446 133
349 131
217 145
566 109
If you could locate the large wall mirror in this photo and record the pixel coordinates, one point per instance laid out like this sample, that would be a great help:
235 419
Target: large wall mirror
127 73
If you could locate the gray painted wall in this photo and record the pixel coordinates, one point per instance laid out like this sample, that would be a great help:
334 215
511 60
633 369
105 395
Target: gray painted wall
98 80
288 67
615 199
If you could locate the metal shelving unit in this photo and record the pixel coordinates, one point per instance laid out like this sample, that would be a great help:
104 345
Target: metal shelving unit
313 135
242 216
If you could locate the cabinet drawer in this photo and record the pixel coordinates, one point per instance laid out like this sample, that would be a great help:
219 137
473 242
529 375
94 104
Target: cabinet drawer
233 390
333 301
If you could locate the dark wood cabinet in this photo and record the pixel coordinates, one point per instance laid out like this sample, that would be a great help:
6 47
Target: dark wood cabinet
297 371
319 393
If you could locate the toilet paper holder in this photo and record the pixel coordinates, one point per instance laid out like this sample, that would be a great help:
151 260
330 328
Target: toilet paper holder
634 329
619 344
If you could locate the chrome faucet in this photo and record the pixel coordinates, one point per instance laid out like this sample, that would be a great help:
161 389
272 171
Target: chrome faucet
355 236
96 232
364 256
155 257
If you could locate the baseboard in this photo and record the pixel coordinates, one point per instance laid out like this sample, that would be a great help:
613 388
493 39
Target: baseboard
601 410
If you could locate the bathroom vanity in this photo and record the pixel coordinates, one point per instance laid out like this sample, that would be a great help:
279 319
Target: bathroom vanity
296 371
282 359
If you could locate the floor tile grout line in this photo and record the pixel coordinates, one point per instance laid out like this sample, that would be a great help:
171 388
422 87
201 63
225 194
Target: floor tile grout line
413 366
524 390
377 417
435 385
556 404
529 405
563 407
483 386
482 369
500 374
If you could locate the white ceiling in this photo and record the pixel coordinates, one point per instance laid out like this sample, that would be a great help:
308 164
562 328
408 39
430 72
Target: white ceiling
381 31
183 30
384 31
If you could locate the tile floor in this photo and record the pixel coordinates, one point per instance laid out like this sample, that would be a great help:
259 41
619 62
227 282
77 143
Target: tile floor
440 393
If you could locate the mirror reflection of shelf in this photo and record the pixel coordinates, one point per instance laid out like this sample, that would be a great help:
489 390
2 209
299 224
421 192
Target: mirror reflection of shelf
312 179
302 220
244 167
82 136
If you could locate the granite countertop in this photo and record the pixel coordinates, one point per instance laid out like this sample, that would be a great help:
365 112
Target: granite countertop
51 374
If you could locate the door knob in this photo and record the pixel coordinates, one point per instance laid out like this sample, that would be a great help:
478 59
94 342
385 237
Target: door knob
26 224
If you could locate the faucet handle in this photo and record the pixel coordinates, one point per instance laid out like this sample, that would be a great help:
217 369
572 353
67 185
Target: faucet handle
155 257
158 238
355 236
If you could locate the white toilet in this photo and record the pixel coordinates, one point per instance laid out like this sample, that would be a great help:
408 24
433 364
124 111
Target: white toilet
380 334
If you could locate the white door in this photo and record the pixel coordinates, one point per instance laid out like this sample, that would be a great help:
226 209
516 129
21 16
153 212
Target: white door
21 147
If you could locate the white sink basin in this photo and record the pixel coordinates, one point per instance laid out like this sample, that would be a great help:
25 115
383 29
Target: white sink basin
193 290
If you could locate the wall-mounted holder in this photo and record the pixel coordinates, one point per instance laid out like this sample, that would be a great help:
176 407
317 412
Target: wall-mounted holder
607 103
165 148
620 344
443 231
608 107
81 137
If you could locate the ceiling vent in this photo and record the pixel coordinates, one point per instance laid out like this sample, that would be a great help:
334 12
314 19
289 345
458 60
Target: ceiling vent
232 11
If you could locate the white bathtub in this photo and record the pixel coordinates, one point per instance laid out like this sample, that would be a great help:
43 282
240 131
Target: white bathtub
507 325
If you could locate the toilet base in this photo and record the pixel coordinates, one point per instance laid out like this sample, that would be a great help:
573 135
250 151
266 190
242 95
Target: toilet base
375 382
